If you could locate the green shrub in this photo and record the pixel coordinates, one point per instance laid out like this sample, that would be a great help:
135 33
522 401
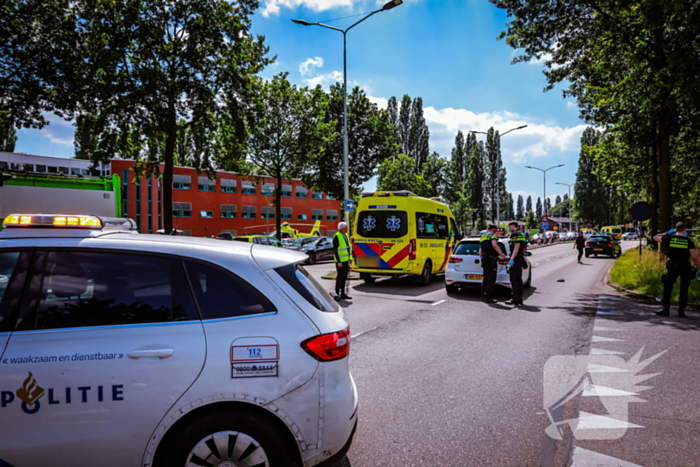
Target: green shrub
645 275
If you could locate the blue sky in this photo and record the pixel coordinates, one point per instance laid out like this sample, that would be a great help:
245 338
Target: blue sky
444 51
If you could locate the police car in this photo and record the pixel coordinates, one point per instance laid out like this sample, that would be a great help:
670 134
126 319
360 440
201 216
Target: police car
464 266
122 349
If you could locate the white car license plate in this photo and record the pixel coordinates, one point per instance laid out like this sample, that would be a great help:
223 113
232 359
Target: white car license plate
475 277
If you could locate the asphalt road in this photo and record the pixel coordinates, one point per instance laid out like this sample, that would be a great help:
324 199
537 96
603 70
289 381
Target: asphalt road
450 381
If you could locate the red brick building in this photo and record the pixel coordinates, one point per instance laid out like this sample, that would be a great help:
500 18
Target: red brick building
229 203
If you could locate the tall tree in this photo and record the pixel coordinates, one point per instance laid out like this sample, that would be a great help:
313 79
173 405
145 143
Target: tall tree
557 200
459 159
419 137
589 191
511 207
597 46
538 209
547 204
289 131
395 122
148 71
435 174
477 181
528 204
520 212
370 141
496 174
405 124
400 174
8 133
566 196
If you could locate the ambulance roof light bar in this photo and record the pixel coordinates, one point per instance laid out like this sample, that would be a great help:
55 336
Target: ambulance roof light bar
67 221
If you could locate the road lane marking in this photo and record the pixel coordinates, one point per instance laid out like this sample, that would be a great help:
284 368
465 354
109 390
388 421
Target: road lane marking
601 328
437 303
605 339
608 313
606 352
363 332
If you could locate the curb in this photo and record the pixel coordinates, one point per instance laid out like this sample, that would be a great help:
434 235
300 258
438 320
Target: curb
331 275
635 293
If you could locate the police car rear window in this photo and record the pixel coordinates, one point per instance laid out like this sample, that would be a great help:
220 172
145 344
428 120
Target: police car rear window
306 286
382 224
221 294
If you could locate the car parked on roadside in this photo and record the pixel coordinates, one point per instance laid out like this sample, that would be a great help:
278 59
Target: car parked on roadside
316 248
464 266
629 236
152 350
603 245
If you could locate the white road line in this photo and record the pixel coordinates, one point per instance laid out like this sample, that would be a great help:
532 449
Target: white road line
437 303
601 328
585 458
363 332
605 352
605 339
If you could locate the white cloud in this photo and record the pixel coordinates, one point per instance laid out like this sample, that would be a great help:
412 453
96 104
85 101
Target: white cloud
380 101
325 79
307 66
541 60
272 7
536 140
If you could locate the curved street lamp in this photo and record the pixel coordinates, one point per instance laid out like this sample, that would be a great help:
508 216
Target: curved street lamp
388 6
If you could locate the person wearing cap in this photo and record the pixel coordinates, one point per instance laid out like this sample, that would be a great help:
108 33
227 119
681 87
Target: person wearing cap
341 252
489 254
680 250
518 243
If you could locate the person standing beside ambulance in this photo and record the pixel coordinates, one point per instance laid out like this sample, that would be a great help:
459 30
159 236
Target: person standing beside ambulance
341 254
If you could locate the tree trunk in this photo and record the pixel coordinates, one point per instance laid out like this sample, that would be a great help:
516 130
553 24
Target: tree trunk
654 221
278 206
168 182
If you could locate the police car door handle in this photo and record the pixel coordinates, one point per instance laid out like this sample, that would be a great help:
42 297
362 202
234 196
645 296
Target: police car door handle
160 353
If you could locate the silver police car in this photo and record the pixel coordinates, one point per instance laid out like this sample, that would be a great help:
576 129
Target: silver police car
124 349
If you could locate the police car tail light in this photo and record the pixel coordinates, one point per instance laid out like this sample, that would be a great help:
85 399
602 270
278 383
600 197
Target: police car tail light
609 244
328 347
412 250
588 243
455 259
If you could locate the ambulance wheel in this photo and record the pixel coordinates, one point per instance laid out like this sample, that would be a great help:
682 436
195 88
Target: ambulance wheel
424 278
236 436
367 278
451 288
312 258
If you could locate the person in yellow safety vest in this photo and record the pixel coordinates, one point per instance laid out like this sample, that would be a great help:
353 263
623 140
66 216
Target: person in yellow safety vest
341 252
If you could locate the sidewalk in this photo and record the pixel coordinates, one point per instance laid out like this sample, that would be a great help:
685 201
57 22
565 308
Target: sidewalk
641 409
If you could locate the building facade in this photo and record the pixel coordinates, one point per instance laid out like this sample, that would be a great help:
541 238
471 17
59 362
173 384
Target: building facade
228 203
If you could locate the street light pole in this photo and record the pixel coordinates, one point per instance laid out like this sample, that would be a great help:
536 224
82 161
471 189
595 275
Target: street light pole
544 172
498 174
388 6
570 201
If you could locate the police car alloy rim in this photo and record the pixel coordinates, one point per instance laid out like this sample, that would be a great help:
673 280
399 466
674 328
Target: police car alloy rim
228 449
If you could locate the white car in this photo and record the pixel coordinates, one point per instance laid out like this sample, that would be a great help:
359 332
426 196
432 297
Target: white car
464 266
121 349
629 236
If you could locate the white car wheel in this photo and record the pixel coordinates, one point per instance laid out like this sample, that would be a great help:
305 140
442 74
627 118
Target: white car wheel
228 449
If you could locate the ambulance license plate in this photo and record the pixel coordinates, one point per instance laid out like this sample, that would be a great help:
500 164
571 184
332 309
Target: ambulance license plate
475 277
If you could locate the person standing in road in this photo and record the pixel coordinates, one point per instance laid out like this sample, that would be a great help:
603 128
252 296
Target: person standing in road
341 252
518 243
580 244
680 250
489 254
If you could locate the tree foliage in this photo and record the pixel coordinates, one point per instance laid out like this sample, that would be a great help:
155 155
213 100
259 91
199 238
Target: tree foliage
400 174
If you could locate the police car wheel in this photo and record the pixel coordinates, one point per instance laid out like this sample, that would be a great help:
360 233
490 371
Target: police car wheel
312 258
451 288
528 284
226 439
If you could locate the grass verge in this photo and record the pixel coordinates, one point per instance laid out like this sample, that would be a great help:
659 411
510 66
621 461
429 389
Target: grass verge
644 276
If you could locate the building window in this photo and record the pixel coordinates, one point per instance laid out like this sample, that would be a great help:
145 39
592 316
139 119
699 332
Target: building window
249 212
125 192
317 214
287 217
268 189
302 217
228 211
150 204
286 191
267 212
39 168
317 195
286 214
63 170
332 215
182 182
249 188
206 214
53 170
160 210
228 185
330 198
182 210
204 184
302 195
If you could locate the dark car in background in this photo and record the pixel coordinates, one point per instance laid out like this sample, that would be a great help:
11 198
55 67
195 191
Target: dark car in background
316 248
604 245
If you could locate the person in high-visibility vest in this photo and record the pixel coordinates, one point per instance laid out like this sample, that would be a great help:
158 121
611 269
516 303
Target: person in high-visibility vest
341 252
680 250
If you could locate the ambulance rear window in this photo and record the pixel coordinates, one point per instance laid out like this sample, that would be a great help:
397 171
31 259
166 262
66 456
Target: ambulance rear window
382 224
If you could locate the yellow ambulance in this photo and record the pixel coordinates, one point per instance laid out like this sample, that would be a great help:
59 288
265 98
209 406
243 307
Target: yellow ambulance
397 233
612 230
